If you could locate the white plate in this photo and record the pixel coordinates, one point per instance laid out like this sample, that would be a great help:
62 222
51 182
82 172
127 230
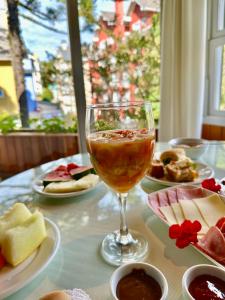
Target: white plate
207 192
14 278
38 187
203 170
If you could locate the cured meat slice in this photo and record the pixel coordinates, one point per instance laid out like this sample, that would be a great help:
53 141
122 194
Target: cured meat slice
163 198
188 193
154 203
172 196
213 243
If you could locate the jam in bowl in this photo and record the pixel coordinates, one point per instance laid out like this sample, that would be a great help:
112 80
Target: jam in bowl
138 281
204 282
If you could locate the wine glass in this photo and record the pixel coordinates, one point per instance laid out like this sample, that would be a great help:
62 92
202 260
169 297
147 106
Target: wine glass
120 141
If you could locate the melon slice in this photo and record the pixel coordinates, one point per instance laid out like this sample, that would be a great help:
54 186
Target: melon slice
19 242
16 215
84 183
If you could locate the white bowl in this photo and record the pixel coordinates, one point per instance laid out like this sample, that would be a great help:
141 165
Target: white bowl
150 270
193 147
197 270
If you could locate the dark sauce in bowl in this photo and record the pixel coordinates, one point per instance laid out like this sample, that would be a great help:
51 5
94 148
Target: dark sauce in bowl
207 287
138 286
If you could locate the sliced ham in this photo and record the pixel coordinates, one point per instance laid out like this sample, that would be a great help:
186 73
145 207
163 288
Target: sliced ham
154 203
188 193
163 198
172 196
213 243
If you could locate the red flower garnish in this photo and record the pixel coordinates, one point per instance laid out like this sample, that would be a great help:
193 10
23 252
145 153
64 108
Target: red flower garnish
185 233
210 184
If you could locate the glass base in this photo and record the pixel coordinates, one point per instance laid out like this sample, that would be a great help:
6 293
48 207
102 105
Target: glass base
117 252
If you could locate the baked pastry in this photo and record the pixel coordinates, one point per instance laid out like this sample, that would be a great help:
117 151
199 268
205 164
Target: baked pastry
180 171
156 169
56 295
172 155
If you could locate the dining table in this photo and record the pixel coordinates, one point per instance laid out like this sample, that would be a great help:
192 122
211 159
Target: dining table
85 219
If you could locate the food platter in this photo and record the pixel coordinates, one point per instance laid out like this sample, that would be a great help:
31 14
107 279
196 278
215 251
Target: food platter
14 278
38 187
203 170
156 212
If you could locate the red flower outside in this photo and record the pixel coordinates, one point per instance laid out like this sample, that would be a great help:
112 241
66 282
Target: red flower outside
185 233
210 184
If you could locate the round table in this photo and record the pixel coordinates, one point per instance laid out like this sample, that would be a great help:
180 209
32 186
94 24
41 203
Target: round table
84 220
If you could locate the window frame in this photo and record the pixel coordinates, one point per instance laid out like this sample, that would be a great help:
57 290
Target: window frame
215 38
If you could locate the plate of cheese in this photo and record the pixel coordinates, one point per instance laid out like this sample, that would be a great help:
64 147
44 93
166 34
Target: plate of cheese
28 244
66 181
173 167
188 202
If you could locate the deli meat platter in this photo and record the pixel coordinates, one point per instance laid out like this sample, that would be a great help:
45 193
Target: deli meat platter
188 202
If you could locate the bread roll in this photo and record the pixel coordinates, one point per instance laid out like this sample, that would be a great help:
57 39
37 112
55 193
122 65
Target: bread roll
172 155
56 295
156 169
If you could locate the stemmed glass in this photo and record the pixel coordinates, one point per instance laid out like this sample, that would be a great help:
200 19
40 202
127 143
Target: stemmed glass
120 141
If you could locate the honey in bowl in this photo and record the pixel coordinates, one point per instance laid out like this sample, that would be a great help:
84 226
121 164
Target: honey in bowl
137 285
207 287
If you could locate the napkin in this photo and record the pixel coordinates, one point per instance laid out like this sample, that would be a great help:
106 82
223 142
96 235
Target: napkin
78 294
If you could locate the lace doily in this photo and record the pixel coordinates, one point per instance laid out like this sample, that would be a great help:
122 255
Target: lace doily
78 294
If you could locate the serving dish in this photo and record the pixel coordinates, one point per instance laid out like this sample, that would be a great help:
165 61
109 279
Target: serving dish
193 147
197 270
150 270
14 278
203 170
159 214
38 187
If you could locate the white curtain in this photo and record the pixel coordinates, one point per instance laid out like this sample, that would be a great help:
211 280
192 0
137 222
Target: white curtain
183 54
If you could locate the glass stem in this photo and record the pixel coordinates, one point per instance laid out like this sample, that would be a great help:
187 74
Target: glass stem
123 237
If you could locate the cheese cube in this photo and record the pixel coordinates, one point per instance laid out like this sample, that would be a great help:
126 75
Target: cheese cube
13 217
19 242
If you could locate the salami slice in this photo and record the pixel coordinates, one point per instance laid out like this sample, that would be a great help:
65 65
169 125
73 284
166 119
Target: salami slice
188 193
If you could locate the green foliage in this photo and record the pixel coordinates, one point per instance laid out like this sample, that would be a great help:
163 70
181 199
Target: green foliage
102 125
139 57
53 125
48 72
47 95
8 123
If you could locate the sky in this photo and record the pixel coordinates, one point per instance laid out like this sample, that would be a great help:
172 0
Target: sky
39 40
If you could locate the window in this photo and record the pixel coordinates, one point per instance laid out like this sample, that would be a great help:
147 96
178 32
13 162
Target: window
215 110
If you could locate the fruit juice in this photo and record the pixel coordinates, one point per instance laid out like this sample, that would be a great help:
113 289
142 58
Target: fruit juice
121 157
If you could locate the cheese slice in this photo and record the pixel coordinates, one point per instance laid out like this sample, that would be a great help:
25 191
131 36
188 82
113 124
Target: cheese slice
178 212
212 208
72 185
168 213
192 213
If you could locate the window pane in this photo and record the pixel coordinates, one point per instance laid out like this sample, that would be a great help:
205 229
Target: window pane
222 88
221 12
123 51
39 87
